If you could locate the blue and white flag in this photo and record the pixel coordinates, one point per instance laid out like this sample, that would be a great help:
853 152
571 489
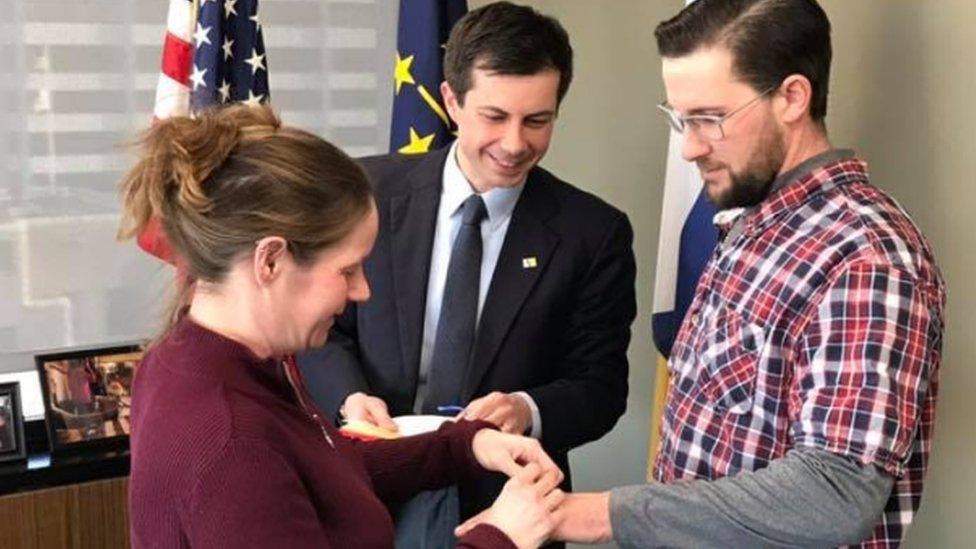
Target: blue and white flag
686 242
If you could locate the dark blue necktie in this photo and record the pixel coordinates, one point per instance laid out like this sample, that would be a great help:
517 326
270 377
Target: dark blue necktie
458 320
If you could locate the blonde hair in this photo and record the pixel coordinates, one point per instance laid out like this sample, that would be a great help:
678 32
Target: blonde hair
227 178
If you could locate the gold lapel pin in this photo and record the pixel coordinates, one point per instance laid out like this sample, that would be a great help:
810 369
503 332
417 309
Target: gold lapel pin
530 262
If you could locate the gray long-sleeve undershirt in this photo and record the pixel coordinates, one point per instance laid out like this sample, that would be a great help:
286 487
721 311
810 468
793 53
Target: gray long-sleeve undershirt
809 498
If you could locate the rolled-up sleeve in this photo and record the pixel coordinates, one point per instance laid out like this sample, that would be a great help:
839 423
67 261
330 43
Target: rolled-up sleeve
862 369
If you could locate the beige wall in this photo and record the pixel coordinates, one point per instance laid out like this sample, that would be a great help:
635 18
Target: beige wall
903 95
903 85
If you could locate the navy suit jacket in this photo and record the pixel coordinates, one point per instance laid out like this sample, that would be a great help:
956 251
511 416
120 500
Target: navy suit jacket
558 331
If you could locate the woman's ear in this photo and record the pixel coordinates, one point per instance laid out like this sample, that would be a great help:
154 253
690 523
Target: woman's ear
268 255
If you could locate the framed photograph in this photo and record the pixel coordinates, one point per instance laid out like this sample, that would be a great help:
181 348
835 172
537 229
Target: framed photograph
88 396
13 447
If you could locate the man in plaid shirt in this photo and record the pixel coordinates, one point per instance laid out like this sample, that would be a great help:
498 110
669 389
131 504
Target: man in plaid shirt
804 377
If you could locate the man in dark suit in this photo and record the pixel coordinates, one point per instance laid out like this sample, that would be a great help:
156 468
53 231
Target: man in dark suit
533 337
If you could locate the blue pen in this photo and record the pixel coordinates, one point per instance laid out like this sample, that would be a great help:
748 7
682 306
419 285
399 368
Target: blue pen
453 409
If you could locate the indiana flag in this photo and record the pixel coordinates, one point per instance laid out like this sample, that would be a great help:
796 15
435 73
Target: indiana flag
686 242
420 123
213 53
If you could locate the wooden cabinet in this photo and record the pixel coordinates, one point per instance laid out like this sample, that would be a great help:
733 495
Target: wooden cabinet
77 516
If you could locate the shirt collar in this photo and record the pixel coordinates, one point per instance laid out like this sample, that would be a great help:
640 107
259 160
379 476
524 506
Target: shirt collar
500 202
788 189
805 168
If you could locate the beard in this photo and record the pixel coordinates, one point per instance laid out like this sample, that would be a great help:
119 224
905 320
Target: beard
752 184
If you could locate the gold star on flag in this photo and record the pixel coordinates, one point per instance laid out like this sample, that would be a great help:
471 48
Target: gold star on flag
401 74
417 145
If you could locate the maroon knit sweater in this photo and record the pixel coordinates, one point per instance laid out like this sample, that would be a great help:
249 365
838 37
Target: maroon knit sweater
223 455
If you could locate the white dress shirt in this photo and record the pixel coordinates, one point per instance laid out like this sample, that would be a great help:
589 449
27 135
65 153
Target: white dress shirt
500 203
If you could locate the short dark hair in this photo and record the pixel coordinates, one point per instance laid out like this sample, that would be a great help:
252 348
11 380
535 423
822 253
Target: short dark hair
503 38
769 40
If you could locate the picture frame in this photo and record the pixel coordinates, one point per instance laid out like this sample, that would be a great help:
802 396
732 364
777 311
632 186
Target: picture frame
88 396
13 446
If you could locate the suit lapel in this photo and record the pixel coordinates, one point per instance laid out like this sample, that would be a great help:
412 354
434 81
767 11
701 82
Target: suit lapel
528 247
413 218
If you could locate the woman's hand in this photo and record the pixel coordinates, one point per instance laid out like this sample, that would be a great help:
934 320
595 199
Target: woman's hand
507 453
526 510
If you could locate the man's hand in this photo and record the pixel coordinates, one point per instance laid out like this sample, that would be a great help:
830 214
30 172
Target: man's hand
508 412
372 410
526 510
585 518
506 453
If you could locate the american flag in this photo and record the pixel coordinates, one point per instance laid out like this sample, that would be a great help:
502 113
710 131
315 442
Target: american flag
213 53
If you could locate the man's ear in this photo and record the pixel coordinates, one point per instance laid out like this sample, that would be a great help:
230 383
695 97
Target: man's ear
268 255
450 100
795 94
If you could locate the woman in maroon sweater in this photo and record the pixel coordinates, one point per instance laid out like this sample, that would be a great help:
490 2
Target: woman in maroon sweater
271 225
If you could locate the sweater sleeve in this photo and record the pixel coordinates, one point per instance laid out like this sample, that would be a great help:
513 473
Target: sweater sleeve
809 498
400 468
251 497
485 536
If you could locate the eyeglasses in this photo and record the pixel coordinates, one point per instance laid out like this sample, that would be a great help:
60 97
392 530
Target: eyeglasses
706 126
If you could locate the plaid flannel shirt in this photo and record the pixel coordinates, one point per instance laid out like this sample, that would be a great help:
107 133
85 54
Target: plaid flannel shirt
819 325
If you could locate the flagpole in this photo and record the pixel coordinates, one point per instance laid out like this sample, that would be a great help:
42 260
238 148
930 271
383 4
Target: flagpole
661 386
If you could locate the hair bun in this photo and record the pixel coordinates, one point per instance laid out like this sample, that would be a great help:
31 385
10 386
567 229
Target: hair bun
201 145
178 154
